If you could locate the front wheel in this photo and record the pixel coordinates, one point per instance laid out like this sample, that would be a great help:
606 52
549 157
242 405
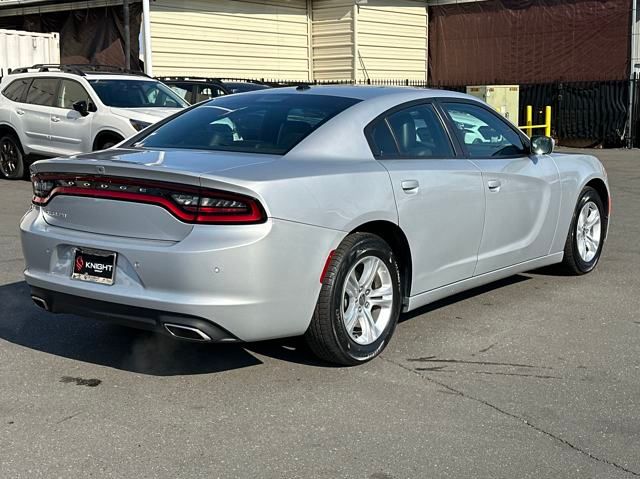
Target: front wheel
359 302
11 158
584 243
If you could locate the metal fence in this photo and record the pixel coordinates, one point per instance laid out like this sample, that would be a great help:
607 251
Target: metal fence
584 113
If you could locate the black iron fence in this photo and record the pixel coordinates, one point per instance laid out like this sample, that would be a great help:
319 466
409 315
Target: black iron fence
583 113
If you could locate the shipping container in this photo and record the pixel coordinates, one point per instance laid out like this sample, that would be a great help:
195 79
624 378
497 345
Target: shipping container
23 49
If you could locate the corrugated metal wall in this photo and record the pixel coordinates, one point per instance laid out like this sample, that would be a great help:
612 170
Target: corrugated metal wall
231 38
392 39
21 49
387 38
290 39
332 39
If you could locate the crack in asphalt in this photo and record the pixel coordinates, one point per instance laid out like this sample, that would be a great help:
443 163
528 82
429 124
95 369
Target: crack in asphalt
441 369
432 359
514 416
538 376
484 350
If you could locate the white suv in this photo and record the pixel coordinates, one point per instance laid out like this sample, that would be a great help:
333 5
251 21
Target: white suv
58 110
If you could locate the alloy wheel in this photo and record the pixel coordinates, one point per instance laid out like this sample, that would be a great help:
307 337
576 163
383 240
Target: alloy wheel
367 300
9 157
588 231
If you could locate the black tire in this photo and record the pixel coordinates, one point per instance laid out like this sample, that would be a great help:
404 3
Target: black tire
572 262
327 336
106 140
11 158
107 144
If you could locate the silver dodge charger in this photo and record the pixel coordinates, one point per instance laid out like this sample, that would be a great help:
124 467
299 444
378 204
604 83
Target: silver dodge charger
315 211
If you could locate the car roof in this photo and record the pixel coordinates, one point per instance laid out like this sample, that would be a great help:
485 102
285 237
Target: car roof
86 76
169 79
364 92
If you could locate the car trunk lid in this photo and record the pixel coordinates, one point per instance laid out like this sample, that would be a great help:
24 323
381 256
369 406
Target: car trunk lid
122 173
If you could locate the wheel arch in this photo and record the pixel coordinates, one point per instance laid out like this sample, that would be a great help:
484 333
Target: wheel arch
397 240
600 186
6 128
104 135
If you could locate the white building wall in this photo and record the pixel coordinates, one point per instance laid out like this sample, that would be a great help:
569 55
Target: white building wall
392 40
231 38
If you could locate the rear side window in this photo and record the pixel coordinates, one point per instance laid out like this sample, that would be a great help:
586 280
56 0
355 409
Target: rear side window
256 123
183 90
205 92
419 133
42 91
413 132
383 143
16 89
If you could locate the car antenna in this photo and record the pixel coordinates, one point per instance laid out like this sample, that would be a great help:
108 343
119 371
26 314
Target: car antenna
303 86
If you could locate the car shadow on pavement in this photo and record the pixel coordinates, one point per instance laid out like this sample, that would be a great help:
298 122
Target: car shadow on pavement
518 278
106 344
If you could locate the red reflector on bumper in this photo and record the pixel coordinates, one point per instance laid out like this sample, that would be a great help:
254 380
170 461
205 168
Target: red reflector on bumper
326 266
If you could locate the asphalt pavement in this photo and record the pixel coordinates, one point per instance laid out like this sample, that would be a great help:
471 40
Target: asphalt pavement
536 376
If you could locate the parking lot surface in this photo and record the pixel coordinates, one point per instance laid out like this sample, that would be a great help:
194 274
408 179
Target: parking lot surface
534 376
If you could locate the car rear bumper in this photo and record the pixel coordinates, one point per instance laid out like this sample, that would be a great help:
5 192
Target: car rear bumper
252 282
178 325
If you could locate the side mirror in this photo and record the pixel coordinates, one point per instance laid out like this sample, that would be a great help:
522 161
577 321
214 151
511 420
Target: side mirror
81 107
542 145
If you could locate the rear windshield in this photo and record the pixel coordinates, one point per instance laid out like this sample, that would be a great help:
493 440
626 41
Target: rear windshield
253 122
136 94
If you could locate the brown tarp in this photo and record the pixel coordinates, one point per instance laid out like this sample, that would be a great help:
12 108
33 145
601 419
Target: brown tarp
94 35
529 41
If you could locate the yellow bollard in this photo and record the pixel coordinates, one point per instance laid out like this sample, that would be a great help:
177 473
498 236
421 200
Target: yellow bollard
529 120
547 121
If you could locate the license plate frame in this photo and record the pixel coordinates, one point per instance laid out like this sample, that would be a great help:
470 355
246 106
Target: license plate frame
94 266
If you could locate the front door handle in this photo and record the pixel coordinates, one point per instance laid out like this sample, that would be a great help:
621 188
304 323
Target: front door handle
410 186
55 119
494 185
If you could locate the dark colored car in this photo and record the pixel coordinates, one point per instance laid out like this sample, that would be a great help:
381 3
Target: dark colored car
237 86
194 89
197 89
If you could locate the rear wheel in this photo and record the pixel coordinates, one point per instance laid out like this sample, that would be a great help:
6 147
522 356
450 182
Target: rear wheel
11 158
586 235
359 302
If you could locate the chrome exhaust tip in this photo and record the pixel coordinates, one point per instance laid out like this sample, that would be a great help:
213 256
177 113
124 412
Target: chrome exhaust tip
41 303
186 332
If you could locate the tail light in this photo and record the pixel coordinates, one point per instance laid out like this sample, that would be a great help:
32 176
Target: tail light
187 203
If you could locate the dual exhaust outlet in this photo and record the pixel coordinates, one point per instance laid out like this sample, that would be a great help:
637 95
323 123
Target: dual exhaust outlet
179 331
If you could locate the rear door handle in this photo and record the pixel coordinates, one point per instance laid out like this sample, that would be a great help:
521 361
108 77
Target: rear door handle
494 185
20 112
410 186
55 119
